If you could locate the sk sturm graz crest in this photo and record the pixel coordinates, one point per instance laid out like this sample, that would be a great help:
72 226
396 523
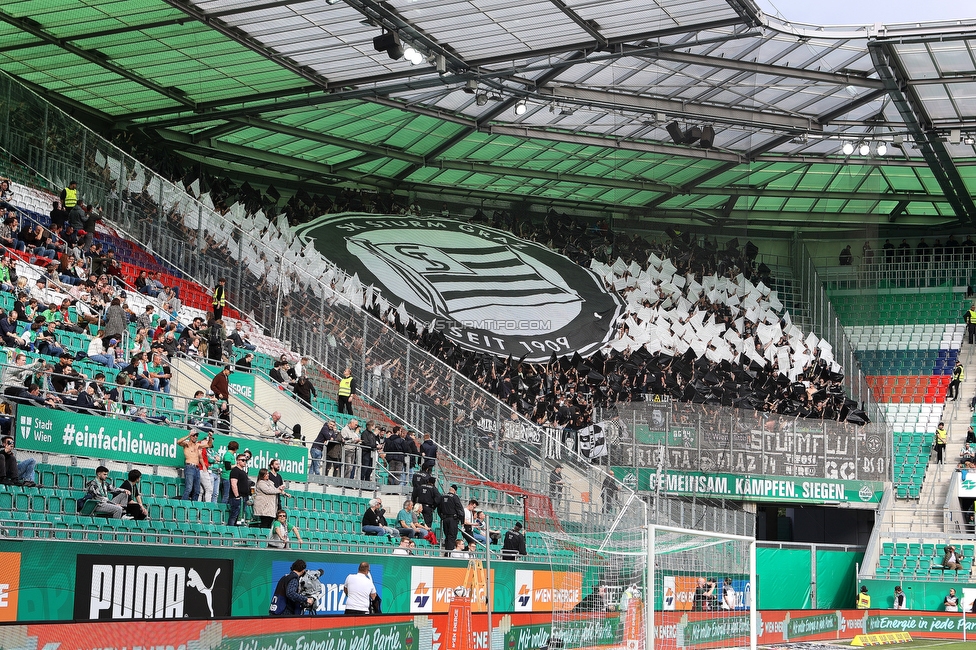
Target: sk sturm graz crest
483 288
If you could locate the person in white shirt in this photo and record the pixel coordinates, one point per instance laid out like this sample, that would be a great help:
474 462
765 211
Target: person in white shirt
403 548
728 595
459 550
901 602
359 591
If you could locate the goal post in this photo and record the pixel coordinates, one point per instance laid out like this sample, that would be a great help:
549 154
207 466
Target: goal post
652 588
703 586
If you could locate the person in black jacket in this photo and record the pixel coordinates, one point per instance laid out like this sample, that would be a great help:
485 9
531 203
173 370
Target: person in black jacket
451 511
393 452
318 448
287 601
367 440
304 391
428 453
428 498
514 543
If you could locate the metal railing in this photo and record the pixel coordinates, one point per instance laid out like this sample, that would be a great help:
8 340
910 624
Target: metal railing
951 268
828 326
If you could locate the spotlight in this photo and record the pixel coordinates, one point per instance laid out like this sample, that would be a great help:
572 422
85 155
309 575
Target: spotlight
470 86
882 149
675 132
848 148
864 149
331 2
520 107
692 134
707 137
970 140
413 55
481 99
389 42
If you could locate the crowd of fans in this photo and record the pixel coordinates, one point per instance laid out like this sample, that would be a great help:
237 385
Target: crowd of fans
75 284
752 355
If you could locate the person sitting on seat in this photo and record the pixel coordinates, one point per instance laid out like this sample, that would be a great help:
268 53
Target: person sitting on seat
13 472
374 521
952 559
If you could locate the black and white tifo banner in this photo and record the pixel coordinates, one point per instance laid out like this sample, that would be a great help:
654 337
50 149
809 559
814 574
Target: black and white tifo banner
485 289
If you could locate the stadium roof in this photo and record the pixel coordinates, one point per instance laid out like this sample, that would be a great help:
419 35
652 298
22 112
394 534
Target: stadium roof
294 91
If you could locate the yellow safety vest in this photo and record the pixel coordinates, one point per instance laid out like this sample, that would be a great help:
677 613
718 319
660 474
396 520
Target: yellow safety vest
941 435
863 601
222 300
70 198
971 316
959 372
345 387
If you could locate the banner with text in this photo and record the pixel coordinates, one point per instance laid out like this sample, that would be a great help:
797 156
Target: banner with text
780 489
709 438
72 434
241 384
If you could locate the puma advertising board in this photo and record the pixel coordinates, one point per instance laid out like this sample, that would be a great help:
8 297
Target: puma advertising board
117 587
485 289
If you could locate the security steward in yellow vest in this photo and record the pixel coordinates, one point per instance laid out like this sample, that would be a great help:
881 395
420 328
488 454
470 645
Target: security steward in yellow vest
347 388
69 195
958 376
219 298
971 324
863 600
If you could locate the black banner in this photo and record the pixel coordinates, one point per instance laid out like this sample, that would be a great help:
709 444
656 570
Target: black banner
118 587
485 289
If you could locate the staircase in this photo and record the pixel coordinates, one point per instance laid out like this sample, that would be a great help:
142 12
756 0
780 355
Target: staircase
188 378
926 515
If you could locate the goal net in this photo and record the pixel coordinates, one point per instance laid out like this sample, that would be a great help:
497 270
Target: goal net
652 588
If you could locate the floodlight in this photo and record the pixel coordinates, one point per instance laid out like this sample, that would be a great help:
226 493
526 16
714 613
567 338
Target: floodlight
881 149
707 137
481 99
413 55
864 149
674 130
848 148
470 86
520 107
389 42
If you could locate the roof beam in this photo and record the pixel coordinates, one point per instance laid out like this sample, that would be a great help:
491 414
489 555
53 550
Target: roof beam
585 25
33 28
101 34
408 80
764 68
521 131
912 111
491 114
643 104
216 131
247 41
898 211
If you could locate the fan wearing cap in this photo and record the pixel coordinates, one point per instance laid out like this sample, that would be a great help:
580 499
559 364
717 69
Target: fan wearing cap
192 450
106 357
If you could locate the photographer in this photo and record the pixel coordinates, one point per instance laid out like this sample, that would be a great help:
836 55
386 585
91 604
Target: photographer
287 600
